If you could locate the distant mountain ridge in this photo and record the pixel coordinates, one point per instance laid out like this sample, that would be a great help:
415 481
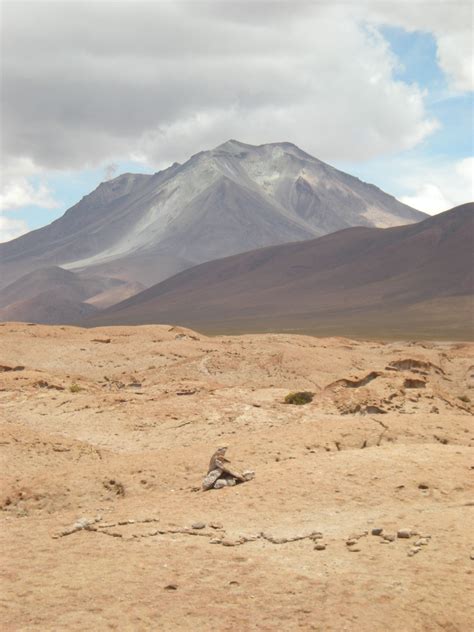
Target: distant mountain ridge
232 199
54 296
413 280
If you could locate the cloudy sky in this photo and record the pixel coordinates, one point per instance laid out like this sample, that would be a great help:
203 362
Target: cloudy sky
380 89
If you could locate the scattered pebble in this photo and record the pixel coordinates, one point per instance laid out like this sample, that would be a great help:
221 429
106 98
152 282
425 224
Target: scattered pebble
422 542
389 537
423 486
319 547
198 525
351 542
413 551
216 525
171 587
377 531
404 533
353 549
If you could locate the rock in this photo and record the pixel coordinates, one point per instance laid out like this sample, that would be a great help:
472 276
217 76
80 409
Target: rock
198 525
210 479
216 525
224 482
171 587
472 556
248 475
423 486
404 533
377 531
351 542
413 551
319 547
353 549
389 537
422 542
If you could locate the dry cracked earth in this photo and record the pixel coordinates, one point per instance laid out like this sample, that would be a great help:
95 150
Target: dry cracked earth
107 434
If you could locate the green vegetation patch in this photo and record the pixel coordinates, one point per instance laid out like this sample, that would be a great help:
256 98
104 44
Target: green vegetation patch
299 398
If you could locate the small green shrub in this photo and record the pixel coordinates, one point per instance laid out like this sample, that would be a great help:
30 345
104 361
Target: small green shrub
299 398
75 388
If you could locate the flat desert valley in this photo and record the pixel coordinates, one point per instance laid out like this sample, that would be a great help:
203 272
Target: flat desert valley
359 518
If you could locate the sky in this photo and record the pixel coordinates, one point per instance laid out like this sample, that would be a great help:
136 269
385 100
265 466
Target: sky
89 90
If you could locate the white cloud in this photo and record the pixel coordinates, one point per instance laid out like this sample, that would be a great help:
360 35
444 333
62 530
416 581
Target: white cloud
166 79
158 81
11 228
449 21
18 192
442 187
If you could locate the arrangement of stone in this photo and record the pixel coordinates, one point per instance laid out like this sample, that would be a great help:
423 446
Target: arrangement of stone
219 474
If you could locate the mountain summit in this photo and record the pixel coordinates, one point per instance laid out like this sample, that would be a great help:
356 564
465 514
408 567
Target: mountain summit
228 200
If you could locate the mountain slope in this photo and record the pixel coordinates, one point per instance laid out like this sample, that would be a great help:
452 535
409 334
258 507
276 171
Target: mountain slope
55 295
49 308
353 280
231 199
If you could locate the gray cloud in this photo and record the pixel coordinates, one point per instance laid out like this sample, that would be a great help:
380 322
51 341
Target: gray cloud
89 83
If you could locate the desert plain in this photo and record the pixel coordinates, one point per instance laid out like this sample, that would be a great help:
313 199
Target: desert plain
359 518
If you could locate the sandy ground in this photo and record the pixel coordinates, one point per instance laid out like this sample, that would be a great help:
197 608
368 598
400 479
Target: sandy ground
114 428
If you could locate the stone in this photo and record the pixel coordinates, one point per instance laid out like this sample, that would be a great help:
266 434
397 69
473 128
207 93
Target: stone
210 478
423 486
224 482
198 525
351 542
377 531
404 533
319 547
171 587
353 549
216 525
413 551
422 542
389 537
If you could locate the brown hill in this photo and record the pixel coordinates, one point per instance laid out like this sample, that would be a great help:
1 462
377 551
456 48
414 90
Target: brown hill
53 295
414 280
51 308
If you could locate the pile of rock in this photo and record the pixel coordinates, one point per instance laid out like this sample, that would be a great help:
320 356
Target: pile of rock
220 475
